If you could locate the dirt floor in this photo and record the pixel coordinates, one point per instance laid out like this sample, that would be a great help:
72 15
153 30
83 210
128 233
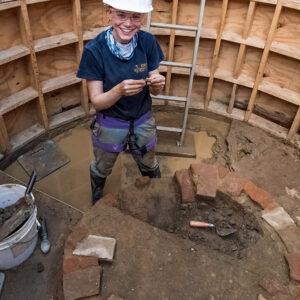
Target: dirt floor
176 262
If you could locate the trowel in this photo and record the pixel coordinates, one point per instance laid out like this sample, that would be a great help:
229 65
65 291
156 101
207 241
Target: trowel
220 230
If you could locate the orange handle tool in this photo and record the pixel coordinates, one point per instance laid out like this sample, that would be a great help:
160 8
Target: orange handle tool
201 224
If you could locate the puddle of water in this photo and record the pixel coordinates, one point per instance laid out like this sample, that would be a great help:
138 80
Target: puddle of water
71 183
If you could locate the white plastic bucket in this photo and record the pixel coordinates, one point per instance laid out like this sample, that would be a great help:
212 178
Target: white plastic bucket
17 247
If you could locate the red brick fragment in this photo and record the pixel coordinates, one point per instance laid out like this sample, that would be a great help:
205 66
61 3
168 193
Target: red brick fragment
258 195
272 285
78 234
233 184
78 262
186 185
293 260
142 181
114 297
110 200
222 171
205 177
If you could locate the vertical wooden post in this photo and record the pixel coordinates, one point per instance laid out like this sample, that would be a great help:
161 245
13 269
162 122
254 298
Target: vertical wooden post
216 54
77 25
232 99
35 73
295 126
4 139
171 48
263 61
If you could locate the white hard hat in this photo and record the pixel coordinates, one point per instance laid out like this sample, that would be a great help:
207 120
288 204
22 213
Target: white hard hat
139 6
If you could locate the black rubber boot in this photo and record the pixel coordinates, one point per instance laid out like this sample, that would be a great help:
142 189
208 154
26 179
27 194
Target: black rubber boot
152 174
97 184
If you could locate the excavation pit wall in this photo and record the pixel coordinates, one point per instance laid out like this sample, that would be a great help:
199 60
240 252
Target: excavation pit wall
168 204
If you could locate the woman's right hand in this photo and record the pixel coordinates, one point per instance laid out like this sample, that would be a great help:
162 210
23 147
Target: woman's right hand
129 87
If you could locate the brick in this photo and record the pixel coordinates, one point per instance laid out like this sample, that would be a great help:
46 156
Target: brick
222 172
76 236
82 283
233 184
97 246
110 200
185 185
205 177
293 260
114 297
291 238
142 181
74 263
278 218
258 195
261 297
272 285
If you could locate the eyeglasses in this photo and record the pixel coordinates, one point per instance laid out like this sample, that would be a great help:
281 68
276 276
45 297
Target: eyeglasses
121 16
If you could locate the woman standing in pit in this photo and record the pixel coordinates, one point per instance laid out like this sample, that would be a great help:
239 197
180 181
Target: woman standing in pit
121 68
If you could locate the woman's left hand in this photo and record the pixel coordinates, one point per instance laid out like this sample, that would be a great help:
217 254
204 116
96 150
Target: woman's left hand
156 83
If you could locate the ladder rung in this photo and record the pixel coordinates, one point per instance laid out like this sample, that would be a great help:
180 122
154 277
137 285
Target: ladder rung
170 129
170 98
174 26
176 64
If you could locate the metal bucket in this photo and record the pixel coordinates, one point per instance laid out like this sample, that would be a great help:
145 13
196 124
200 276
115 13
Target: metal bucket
17 247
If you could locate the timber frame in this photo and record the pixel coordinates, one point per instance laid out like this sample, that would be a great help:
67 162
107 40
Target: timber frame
247 66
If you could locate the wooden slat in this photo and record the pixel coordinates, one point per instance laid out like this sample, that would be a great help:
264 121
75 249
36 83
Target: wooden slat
13 53
26 136
291 3
10 103
92 33
66 117
7 5
216 54
232 98
36 76
286 50
266 1
263 60
4 140
59 82
295 126
55 41
36 1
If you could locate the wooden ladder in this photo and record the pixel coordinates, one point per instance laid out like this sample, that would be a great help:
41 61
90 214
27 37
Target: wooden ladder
170 64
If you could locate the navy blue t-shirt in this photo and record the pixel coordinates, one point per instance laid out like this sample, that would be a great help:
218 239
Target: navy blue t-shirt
98 63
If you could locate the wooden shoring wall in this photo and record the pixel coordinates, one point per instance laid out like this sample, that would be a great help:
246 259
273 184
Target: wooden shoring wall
248 62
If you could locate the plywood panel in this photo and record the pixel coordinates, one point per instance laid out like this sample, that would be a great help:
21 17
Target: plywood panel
179 85
205 53
9 28
236 16
164 44
21 118
221 91
56 62
184 49
250 63
262 21
50 18
227 56
162 12
62 99
93 14
288 30
14 77
188 12
275 110
212 14
199 91
283 71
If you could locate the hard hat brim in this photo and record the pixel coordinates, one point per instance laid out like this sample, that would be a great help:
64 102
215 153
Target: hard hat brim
124 6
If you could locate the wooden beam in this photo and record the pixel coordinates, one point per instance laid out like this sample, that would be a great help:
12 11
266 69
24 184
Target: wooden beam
263 61
171 47
232 98
34 65
4 139
216 54
295 126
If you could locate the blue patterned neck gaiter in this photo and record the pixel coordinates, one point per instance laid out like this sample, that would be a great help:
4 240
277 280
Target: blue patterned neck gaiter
121 51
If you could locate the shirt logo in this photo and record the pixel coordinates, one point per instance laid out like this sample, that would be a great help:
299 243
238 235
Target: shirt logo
141 68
